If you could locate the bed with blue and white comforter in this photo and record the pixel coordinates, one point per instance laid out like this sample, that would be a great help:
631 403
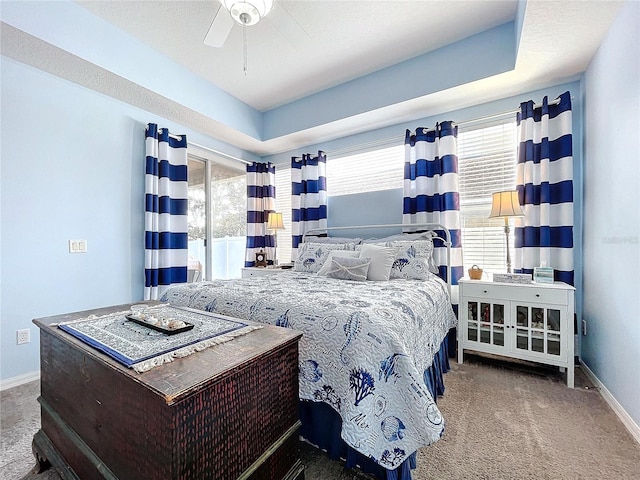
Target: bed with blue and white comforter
366 348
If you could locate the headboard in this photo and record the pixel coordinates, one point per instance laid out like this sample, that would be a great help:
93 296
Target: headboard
438 230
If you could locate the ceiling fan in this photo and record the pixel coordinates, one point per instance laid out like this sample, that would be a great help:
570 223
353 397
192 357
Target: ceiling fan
247 13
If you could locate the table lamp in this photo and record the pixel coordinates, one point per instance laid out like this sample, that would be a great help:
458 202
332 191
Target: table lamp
274 223
506 204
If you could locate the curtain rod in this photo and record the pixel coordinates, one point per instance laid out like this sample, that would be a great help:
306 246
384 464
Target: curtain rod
508 112
171 135
376 143
217 152
400 138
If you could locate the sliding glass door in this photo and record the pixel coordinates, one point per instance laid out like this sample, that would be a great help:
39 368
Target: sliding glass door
217 218
197 230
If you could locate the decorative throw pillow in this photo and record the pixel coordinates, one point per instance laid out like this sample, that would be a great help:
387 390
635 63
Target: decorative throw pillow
311 256
335 254
381 260
346 268
413 260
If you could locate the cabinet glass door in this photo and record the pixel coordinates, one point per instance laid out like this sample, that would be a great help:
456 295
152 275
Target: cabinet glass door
553 331
497 326
522 328
485 322
538 329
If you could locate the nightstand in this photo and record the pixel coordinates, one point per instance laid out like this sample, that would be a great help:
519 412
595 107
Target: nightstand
531 322
260 271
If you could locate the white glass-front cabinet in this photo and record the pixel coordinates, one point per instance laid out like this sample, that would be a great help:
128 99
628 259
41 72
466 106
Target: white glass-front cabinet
531 322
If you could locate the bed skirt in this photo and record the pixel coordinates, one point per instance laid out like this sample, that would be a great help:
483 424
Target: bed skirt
321 426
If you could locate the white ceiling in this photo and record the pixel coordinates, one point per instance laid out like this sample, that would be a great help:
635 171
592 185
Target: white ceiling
338 40
332 42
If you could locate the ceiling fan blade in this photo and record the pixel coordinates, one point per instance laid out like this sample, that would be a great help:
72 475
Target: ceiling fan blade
219 29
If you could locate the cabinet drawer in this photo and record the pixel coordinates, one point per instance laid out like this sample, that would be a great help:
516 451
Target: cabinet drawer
518 293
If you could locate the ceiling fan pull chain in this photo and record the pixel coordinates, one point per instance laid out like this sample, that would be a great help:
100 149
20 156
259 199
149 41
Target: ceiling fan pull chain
244 48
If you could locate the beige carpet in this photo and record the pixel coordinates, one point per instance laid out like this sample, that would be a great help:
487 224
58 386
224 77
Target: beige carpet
504 421
511 422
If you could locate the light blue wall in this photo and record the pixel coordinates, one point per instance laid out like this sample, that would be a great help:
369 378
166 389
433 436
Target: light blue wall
370 208
72 168
611 348
62 178
378 207
55 181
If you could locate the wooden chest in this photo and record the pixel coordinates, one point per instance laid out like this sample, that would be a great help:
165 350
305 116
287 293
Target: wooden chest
227 412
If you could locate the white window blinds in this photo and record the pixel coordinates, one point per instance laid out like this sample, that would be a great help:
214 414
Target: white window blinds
283 205
381 169
487 164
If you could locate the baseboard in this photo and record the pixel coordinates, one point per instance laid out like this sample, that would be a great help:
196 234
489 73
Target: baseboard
622 414
19 380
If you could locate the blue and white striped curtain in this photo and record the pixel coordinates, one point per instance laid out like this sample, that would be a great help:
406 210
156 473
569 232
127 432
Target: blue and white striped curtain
166 206
308 196
544 236
261 199
431 191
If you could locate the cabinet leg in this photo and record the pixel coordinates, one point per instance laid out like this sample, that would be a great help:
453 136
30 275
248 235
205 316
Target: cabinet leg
39 452
570 378
48 456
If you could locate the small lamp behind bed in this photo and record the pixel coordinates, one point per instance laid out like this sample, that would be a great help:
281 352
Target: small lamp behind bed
274 223
506 204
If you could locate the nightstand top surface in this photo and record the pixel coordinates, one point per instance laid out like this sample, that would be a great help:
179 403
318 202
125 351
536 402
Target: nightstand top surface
558 285
262 268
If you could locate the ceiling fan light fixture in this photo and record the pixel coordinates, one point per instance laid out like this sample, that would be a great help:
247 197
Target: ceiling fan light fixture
248 12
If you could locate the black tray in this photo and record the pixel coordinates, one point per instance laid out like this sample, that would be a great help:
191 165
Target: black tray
168 331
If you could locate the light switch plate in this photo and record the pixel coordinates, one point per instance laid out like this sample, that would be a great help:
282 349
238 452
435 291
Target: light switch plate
77 246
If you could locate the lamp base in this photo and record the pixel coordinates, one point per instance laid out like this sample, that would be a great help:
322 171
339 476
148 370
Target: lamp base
506 235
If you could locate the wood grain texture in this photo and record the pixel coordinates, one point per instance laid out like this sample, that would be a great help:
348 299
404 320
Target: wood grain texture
206 416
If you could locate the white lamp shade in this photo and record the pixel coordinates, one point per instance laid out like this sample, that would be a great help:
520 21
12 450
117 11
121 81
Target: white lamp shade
274 221
506 204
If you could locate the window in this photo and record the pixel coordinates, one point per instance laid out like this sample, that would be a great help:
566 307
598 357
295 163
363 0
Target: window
486 164
283 205
216 251
381 169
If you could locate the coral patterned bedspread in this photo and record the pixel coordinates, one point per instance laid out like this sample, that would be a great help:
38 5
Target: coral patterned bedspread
364 350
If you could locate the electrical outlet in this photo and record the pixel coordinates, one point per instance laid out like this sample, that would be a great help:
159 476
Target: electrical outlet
584 327
23 336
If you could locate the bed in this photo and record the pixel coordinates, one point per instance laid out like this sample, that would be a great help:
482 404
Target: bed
373 350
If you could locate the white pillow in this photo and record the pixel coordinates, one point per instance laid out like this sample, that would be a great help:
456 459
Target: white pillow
381 261
335 254
344 268
311 256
